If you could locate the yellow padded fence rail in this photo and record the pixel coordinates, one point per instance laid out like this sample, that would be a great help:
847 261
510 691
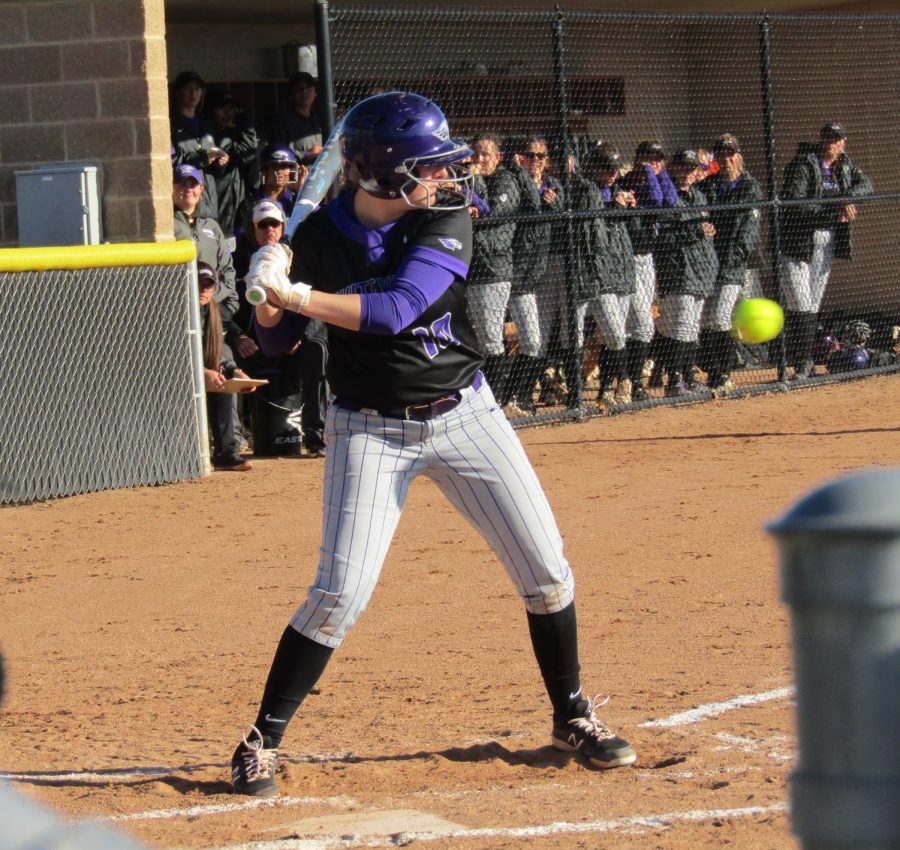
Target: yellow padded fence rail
97 256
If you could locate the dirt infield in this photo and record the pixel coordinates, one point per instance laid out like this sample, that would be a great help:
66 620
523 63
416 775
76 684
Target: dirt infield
139 625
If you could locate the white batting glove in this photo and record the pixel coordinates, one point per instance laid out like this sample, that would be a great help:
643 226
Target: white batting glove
270 278
278 254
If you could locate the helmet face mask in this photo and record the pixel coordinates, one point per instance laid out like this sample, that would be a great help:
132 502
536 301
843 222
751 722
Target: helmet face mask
390 139
276 158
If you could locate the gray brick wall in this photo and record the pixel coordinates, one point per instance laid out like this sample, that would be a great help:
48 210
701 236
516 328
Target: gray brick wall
85 80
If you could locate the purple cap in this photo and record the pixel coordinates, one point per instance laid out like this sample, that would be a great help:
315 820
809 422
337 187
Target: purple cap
183 171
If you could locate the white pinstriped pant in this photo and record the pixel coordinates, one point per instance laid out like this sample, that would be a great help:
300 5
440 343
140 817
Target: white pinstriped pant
475 458
679 317
610 312
803 284
717 309
640 314
487 305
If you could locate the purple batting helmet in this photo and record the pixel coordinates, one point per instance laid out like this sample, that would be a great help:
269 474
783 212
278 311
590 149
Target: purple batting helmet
279 156
387 136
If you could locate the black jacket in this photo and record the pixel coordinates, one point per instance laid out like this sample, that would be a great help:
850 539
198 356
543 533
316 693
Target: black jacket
803 179
737 231
492 254
588 239
641 228
685 258
532 241
240 144
619 275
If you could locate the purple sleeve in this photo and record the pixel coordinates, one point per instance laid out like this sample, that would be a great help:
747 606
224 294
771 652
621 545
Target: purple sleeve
670 193
421 279
650 193
278 340
483 207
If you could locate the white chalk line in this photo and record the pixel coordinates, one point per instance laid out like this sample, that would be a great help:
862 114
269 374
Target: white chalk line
222 808
714 709
660 821
767 746
123 774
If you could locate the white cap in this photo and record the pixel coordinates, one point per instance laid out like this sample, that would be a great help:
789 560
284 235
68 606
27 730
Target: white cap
267 210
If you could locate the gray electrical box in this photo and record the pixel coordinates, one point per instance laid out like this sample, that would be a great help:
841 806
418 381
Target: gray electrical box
58 204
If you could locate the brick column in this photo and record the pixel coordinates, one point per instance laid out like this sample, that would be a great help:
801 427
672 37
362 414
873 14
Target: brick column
86 80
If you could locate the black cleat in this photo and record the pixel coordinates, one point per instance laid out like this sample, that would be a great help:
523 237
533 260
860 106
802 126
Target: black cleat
587 735
253 767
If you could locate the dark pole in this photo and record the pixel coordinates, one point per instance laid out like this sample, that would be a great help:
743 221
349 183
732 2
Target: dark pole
323 58
571 316
768 109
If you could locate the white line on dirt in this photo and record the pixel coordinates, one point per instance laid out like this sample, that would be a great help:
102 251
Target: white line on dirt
222 808
402 839
714 709
111 775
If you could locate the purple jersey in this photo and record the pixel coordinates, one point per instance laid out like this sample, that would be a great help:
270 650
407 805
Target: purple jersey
413 268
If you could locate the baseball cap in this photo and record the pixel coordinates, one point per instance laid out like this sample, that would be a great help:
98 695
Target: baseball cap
726 143
832 131
267 210
301 78
687 158
219 98
186 77
184 171
206 275
603 157
649 150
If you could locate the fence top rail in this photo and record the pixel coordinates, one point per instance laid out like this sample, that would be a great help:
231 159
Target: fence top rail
70 257
444 13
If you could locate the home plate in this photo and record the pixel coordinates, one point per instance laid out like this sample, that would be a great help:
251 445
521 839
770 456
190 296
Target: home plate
361 824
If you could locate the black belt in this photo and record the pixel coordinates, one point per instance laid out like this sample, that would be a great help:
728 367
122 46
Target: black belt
415 412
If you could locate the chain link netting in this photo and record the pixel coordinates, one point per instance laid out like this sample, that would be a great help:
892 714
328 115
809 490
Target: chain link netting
692 162
98 388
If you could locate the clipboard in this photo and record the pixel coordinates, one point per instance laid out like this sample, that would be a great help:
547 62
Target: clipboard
239 385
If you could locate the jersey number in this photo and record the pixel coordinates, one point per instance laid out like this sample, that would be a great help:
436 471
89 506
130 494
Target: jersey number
437 337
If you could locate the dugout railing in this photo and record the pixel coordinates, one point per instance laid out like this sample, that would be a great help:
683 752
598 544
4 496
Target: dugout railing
577 77
102 372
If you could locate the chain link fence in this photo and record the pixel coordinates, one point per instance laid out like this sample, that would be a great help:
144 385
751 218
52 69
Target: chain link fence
102 378
641 174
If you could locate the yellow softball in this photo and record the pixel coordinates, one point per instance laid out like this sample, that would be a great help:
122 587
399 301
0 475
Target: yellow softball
757 320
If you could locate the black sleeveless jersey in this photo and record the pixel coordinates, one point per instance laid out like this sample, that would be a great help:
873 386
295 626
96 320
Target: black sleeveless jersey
437 353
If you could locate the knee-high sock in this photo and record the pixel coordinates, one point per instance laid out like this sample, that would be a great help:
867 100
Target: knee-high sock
724 353
706 355
530 369
574 378
555 641
806 337
638 352
495 369
669 357
793 322
297 666
688 358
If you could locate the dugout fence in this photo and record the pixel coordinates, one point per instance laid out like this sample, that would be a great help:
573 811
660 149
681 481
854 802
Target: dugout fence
102 375
576 78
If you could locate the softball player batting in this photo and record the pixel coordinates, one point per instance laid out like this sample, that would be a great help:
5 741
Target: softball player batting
384 265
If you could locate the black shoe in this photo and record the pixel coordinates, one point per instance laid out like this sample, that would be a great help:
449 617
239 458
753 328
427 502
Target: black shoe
253 767
314 447
587 735
232 463
807 369
639 393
